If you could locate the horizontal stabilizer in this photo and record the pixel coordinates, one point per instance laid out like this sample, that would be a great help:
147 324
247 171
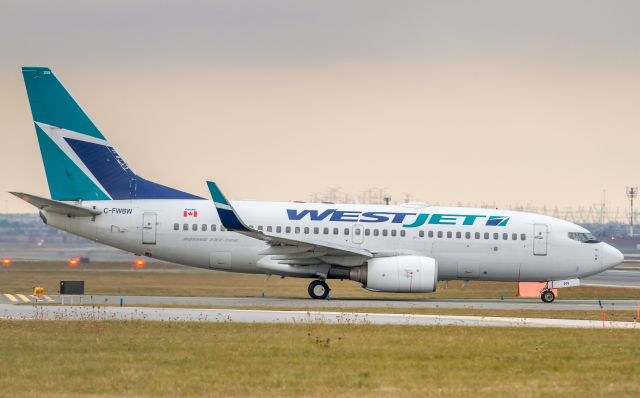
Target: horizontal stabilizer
57 207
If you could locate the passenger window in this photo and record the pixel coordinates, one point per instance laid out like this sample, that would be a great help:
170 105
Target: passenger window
269 228
287 230
393 232
514 236
486 235
449 234
259 227
278 229
458 234
439 234
204 227
346 231
176 226
505 236
467 235
367 232
403 232
297 230
421 234
477 235
306 230
356 231
316 230
213 227
336 231
523 236
194 227
325 231
185 227
431 234
496 236
384 232
376 232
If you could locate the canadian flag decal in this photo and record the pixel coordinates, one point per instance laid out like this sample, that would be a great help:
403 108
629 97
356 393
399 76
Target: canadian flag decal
190 213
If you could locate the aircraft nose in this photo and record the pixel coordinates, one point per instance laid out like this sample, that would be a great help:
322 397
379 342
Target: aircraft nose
611 257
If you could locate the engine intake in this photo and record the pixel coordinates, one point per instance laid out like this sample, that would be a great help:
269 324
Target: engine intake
398 274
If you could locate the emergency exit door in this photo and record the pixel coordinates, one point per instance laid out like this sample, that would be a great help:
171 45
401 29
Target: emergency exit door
540 239
149 221
357 234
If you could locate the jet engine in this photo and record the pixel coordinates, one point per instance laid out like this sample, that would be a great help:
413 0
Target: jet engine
398 274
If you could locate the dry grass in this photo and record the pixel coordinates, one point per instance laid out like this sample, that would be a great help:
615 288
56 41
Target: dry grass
69 359
122 278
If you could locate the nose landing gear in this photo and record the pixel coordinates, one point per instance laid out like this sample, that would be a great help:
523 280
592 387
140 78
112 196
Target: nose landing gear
548 296
318 289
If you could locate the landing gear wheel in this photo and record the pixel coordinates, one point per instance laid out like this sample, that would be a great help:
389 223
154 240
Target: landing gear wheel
548 296
318 289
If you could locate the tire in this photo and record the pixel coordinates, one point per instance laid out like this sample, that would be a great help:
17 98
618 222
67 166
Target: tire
548 296
318 290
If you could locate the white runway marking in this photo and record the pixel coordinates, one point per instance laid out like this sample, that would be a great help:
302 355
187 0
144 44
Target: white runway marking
304 317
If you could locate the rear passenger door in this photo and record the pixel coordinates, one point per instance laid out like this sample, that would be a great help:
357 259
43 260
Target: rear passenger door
149 222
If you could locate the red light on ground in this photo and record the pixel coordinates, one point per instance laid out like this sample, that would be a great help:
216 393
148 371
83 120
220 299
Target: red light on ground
73 262
6 261
139 263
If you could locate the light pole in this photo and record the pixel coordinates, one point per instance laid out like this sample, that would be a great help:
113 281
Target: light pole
632 192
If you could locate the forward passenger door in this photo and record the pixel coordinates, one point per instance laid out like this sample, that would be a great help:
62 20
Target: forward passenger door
540 239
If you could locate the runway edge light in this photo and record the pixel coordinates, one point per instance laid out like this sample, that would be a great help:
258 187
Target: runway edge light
139 263
6 261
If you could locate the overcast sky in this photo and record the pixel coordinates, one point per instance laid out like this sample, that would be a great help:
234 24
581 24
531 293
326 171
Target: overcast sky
453 101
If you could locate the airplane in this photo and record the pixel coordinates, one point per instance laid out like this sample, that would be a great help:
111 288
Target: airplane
404 248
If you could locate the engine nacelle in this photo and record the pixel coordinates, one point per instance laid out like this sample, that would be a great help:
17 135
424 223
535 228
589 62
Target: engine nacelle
398 274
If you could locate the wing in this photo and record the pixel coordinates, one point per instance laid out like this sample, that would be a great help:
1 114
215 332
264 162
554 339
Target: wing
284 249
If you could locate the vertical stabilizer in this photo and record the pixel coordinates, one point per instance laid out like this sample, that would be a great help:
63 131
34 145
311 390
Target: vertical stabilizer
79 162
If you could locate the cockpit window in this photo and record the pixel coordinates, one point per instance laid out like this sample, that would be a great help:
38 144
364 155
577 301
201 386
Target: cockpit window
585 237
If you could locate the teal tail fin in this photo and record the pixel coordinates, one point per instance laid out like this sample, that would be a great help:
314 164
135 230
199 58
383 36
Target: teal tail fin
79 162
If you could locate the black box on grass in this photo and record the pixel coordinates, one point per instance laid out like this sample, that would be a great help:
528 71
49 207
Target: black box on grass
71 287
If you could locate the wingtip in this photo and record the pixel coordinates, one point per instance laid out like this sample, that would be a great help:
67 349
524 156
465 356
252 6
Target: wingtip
216 193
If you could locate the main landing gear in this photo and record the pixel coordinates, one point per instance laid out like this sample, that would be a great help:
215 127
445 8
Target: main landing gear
547 296
318 289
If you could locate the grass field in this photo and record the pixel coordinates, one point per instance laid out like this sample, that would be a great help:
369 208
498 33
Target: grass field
122 278
70 359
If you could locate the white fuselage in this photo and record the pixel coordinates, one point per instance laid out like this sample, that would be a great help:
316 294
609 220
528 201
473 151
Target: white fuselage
529 247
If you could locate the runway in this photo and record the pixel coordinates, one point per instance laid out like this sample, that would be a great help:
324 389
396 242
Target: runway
611 278
614 278
77 313
340 304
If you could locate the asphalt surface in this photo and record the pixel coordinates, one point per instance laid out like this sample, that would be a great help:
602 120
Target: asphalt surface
614 278
306 303
342 303
71 313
